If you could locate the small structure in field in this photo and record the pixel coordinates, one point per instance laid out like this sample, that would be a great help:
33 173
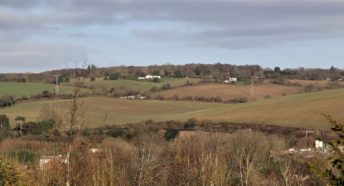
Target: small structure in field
127 97
319 144
149 77
95 150
47 162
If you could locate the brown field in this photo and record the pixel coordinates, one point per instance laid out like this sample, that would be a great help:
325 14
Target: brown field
307 82
227 92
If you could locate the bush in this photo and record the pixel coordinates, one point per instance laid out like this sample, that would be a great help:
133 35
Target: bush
46 94
92 78
156 80
6 101
37 128
23 156
159 97
154 89
187 98
166 86
86 132
114 76
176 97
115 133
237 100
218 99
9 174
170 134
308 88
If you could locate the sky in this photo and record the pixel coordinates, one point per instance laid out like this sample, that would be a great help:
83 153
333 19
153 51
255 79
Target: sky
40 35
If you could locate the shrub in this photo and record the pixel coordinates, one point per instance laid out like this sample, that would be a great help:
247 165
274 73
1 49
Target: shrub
23 156
170 134
154 89
156 80
176 97
6 101
115 133
9 174
159 97
114 76
267 97
308 88
187 98
86 132
92 78
46 94
218 99
166 86
238 100
37 128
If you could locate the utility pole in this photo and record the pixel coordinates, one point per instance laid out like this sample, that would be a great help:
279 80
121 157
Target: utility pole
57 90
252 87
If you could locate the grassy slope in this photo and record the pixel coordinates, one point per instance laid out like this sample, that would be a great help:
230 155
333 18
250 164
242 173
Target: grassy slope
117 110
137 85
28 89
301 110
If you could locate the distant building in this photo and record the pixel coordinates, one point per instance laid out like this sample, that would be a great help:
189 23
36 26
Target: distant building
127 97
230 80
149 77
319 144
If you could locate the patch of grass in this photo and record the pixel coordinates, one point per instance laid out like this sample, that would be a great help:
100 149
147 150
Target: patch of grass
28 89
118 111
300 110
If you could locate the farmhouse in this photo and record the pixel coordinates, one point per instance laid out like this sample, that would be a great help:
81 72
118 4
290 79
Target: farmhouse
149 77
230 80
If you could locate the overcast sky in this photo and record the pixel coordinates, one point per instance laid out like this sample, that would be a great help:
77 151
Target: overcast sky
38 35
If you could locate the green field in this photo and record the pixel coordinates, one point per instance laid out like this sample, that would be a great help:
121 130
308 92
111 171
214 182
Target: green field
119 111
139 85
28 89
301 110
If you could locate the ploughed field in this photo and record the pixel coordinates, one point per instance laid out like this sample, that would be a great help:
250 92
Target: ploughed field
28 89
299 110
226 91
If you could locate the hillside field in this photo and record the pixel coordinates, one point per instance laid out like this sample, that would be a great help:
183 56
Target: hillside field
28 89
113 110
139 85
226 91
300 110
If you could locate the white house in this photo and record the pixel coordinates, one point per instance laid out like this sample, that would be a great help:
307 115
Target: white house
230 79
319 144
149 77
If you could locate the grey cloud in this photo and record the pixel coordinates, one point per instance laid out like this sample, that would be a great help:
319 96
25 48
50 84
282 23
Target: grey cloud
36 57
243 23
19 4
231 21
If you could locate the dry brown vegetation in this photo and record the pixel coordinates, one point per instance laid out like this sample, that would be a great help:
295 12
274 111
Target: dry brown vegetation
241 158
